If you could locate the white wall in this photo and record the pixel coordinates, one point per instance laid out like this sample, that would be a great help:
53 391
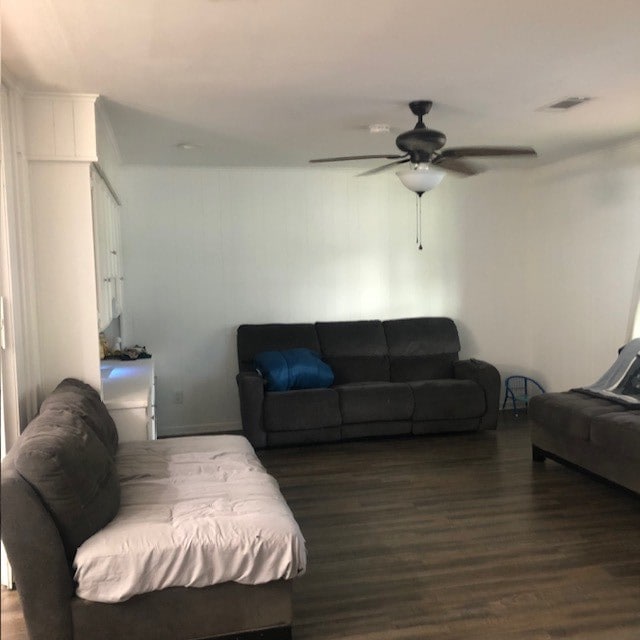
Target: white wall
206 250
536 267
107 147
482 225
583 256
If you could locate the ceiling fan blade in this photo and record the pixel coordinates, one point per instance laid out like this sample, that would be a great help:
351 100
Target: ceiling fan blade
486 152
389 156
384 167
456 165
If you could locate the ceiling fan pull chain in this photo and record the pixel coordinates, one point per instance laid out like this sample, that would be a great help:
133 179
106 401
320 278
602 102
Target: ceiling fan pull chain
420 222
417 217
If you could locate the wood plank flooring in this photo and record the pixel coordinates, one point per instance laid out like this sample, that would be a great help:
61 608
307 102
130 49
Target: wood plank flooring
452 537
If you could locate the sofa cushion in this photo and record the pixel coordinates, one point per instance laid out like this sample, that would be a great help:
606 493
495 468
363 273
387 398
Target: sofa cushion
352 338
618 432
69 467
406 369
447 399
293 369
354 369
421 348
408 337
569 413
84 401
375 402
254 338
355 350
302 409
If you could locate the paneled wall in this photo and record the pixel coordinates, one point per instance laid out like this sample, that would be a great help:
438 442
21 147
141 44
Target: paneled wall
536 267
206 250
583 260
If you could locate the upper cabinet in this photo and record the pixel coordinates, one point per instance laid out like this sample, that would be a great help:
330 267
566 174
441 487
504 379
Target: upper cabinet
108 248
62 129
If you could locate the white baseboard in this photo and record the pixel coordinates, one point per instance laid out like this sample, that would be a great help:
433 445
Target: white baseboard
200 429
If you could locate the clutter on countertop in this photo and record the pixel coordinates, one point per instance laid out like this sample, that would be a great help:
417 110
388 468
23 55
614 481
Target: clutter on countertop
129 353
118 353
104 346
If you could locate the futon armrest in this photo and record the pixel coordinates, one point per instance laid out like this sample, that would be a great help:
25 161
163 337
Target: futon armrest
251 390
488 377
37 556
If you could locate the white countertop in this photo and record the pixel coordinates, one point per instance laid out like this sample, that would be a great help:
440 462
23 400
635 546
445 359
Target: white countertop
126 383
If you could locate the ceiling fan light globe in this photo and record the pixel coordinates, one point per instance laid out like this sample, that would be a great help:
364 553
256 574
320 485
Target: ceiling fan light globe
421 177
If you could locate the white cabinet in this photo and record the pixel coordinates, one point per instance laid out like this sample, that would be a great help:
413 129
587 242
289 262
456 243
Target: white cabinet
128 391
108 249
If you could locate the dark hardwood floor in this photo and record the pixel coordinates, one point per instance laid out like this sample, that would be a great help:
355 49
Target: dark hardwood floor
453 538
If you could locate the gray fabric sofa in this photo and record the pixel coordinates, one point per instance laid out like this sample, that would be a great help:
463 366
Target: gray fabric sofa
595 428
391 377
59 486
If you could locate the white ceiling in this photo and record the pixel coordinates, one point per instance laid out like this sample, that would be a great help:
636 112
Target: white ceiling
277 82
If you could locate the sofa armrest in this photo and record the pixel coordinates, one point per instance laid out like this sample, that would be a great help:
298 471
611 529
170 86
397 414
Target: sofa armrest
488 377
251 390
37 556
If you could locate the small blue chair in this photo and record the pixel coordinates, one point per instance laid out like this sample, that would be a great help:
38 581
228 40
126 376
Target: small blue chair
520 389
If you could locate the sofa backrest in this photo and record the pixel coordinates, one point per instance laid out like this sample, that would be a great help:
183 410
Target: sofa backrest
421 348
59 485
362 350
252 339
72 472
83 400
355 350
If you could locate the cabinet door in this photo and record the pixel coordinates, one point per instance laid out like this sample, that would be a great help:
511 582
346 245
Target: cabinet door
116 255
101 248
152 433
132 424
106 229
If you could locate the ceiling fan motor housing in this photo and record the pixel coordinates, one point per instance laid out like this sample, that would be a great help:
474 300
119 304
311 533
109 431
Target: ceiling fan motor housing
420 144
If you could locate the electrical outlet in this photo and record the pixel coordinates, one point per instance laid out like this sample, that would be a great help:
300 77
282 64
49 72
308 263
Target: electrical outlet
178 397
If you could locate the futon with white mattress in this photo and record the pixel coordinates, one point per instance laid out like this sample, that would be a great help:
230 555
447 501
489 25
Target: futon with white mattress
193 512
177 539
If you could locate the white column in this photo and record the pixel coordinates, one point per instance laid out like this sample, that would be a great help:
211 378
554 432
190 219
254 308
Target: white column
61 144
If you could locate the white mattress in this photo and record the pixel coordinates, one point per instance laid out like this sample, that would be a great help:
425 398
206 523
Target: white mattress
194 511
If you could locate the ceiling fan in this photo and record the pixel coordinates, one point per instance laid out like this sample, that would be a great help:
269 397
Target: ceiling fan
422 147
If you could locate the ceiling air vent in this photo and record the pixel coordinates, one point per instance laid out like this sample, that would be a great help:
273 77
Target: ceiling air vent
566 103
